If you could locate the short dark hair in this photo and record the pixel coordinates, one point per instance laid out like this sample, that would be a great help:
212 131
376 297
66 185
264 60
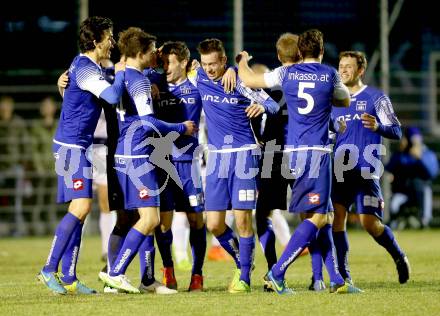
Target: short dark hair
93 29
211 45
177 48
311 43
134 40
361 60
287 48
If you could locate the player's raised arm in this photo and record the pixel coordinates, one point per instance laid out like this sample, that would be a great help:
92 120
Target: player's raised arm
250 78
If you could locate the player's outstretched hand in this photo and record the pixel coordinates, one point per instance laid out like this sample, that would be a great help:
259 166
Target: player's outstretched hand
342 126
254 110
369 121
63 80
243 55
195 64
229 80
191 128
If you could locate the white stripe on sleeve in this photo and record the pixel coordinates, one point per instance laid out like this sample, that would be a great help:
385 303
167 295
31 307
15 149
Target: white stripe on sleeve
140 91
385 111
275 77
89 78
340 91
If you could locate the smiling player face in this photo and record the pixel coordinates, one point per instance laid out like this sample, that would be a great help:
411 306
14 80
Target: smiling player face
213 64
106 45
349 71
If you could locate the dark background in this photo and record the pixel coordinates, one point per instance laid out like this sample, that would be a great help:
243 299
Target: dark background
39 37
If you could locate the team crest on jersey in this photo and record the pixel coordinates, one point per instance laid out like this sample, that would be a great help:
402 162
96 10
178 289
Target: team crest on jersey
185 89
313 198
361 106
143 194
78 184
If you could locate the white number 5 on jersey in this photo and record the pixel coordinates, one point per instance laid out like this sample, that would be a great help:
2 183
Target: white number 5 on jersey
306 96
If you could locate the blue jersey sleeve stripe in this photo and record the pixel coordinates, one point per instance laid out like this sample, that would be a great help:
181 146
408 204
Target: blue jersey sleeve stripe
385 111
90 79
140 91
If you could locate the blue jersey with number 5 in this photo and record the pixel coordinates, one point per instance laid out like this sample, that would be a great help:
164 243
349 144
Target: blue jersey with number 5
308 89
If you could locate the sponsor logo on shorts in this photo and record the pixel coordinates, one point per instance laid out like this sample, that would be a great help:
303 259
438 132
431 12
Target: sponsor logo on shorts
372 201
246 195
313 198
143 194
78 184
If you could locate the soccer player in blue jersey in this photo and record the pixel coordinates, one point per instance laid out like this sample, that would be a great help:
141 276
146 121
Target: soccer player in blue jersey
232 163
357 169
74 135
310 89
179 101
272 190
137 155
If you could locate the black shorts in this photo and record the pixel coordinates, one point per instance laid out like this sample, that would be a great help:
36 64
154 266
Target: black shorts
272 192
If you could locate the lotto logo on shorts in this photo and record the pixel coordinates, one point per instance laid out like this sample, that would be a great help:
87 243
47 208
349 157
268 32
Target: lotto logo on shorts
78 184
313 198
246 195
143 194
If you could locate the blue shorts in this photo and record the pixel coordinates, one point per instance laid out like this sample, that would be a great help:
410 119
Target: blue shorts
190 197
138 180
74 173
365 194
311 189
230 181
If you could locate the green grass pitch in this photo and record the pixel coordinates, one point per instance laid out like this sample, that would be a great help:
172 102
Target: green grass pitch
372 269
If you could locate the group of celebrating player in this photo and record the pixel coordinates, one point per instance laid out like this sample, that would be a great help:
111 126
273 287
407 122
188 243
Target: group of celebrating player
153 166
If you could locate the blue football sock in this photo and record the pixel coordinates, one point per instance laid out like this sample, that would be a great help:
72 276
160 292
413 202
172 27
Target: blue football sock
388 241
342 249
316 258
70 256
229 242
128 251
328 251
247 246
62 236
147 253
266 237
115 243
301 238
